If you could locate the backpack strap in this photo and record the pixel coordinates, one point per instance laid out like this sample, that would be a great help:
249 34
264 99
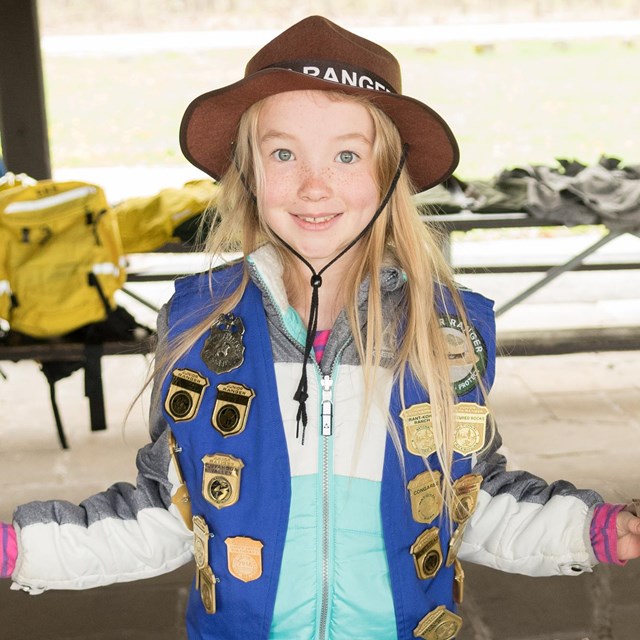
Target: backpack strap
56 414
93 386
94 282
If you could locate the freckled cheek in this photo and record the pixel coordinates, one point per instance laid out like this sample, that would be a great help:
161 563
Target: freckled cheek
362 195
278 190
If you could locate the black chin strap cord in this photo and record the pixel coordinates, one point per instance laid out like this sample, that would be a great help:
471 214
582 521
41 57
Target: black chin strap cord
301 393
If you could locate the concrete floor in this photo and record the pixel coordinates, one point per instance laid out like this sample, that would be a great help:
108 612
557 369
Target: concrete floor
571 416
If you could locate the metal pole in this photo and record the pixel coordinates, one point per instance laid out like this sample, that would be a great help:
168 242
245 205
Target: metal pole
23 121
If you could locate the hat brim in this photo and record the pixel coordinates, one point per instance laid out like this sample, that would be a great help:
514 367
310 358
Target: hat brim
210 123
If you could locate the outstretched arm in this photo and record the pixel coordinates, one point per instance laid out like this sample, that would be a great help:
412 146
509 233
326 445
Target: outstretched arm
125 533
628 532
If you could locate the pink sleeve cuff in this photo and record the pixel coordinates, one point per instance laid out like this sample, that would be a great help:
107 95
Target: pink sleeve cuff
8 549
604 534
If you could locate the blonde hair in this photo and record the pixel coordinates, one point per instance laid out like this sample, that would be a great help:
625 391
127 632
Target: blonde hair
398 237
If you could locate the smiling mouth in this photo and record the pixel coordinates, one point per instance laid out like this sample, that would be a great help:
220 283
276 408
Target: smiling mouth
317 219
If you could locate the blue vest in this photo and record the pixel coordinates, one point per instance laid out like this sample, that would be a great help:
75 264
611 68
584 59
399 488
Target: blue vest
245 609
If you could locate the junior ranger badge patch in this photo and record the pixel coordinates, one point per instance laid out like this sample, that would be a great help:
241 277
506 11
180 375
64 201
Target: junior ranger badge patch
426 496
185 394
466 490
427 553
418 429
231 409
221 479
466 351
244 558
439 624
470 429
223 349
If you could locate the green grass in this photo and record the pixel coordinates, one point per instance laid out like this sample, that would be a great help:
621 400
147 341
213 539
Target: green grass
519 103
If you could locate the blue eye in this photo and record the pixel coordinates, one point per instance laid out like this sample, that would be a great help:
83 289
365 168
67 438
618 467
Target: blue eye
347 157
284 155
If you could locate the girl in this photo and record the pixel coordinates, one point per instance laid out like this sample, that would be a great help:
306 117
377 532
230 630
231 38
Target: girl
320 444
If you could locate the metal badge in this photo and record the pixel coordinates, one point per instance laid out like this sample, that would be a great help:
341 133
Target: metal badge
185 394
221 479
454 544
244 558
207 584
466 490
200 542
418 429
471 425
427 553
180 498
231 409
174 449
426 496
182 502
458 582
439 624
223 349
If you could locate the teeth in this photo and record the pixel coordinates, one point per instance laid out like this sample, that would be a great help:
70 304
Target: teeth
317 220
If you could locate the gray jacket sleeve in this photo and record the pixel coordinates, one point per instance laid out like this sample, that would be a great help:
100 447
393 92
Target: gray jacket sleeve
124 533
522 524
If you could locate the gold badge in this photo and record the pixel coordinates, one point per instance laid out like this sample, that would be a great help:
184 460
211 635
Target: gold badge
427 553
180 498
182 501
439 624
223 349
458 582
207 582
454 543
471 424
200 542
174 449
426 496
185 394
244 558
466 490
221 479
231 409
418 429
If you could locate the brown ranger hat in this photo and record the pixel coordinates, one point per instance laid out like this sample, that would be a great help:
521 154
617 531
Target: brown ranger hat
316 54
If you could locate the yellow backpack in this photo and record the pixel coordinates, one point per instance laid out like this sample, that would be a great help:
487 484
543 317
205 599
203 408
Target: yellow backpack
148 223
61 258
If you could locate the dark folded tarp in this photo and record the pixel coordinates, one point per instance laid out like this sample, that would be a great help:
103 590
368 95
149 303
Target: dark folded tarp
571 193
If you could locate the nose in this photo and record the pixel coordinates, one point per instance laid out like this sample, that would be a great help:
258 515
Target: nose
315 184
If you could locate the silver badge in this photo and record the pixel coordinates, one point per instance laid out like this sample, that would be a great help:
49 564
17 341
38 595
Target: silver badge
223 350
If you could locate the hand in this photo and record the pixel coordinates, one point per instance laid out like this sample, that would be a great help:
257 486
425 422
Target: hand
8 549
628 530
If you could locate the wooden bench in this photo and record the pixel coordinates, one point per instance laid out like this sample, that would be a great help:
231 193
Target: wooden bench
89 357
467 221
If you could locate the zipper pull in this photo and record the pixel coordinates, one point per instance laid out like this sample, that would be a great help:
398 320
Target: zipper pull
327 406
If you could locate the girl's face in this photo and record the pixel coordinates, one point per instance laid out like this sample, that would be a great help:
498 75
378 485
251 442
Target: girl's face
320 189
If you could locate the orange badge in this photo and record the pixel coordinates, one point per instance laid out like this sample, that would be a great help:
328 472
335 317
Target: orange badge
244 558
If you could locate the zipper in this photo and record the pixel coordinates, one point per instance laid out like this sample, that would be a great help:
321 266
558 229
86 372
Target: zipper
326 430
326 415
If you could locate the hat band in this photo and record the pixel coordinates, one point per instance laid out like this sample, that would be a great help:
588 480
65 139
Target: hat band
339 72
